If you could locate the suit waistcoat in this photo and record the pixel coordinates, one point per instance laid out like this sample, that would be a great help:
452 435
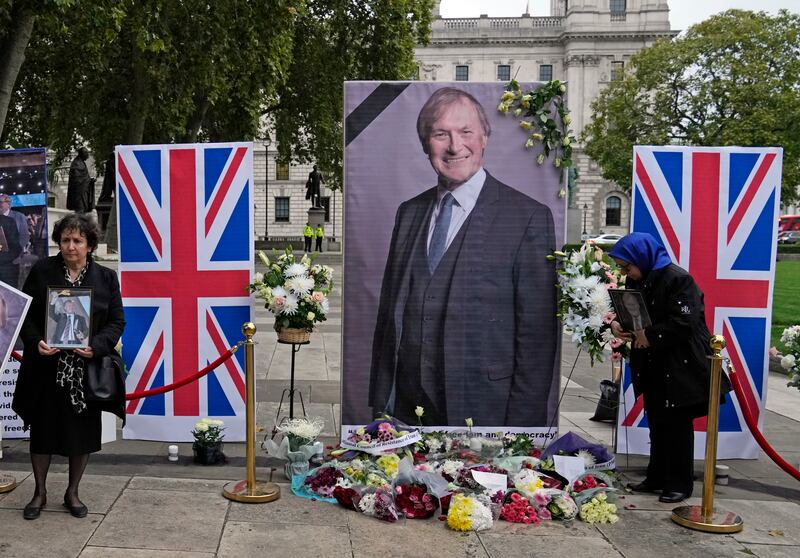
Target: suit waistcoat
421 367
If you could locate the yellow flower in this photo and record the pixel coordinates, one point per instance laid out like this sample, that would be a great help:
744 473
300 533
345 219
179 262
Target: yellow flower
502 107
566 120
525 125
388 464
517 111
566 142
563 88
310 316
507 96
561 193
537 137
459 517
557 162
540 159
469 422
529 143
419 411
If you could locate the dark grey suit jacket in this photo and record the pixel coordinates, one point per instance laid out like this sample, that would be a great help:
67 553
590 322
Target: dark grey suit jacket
501 331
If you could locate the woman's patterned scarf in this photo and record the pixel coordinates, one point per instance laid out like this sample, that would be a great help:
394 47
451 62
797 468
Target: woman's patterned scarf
71 367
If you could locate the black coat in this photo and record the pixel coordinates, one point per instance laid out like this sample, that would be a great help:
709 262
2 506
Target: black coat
107 323
674 372
501 332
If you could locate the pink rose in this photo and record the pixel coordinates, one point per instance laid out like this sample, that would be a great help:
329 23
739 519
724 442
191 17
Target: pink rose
317 297
773 351
280 300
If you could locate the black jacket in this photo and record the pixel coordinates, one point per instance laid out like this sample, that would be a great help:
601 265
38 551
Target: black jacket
107 323
501 332
675 370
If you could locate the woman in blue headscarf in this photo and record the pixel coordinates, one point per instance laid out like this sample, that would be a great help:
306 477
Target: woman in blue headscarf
669 361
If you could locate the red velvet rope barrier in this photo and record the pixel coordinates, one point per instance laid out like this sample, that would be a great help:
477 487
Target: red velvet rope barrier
752 424
175 385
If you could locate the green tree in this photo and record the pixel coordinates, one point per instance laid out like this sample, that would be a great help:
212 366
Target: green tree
338 40
733 79
156 71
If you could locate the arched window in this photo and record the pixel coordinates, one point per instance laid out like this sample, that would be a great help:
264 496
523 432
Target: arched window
613 211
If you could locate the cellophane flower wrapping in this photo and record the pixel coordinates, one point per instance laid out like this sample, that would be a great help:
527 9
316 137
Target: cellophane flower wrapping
469 513
379 503
518 509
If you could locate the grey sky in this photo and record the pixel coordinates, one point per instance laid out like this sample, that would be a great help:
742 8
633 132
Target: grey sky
683 13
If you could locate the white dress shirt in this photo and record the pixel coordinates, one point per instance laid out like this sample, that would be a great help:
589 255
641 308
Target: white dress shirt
465 196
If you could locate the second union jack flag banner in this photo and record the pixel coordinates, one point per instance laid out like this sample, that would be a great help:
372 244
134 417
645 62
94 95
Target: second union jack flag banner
715 210
186 258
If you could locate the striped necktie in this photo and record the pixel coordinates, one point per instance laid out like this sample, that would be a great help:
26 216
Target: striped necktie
440 229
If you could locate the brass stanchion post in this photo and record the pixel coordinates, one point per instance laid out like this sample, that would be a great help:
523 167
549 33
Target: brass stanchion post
705 517
7 483
250 490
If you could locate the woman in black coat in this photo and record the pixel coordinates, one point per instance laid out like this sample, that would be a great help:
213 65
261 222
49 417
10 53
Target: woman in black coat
668 360
49 395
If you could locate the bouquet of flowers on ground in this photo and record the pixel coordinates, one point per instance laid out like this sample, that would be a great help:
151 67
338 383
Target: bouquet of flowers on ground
791 360
380 504
295 292
517 509
594 494
414 501
323 480
583 302
299 443
469 513
381 435
562 506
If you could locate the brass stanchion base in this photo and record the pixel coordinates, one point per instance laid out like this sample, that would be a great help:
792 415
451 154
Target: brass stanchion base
721 521
263 492
7 483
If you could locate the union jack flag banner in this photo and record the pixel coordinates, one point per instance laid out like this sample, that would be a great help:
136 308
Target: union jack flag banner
186 258
716 212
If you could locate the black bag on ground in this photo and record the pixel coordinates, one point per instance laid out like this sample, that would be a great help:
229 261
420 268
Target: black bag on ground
609 401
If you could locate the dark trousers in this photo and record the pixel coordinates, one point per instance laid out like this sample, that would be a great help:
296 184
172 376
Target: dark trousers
307 243
319 244
671 465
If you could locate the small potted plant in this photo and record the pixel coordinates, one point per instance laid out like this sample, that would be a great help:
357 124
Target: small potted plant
295 292
207 446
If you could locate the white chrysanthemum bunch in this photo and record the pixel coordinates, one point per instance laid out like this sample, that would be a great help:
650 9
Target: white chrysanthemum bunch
584 304
301 431
208 431
295 292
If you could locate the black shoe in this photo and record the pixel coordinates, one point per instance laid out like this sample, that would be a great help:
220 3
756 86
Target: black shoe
643 486
673 497
77 511
32 511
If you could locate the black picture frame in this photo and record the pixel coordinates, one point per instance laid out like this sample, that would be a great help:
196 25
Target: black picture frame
630 308
63 331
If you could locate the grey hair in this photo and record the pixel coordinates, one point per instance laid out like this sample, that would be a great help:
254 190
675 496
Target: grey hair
433 107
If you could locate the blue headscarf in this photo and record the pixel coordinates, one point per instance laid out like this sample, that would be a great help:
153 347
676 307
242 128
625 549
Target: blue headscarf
642 250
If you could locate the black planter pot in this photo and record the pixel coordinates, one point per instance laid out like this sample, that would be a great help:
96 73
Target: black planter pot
208 455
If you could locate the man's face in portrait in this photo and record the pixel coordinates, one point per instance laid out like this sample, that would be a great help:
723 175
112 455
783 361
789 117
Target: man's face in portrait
456 144
69 307
631 305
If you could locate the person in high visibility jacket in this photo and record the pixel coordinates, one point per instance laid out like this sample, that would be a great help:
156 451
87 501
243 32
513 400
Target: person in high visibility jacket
308 234
320 234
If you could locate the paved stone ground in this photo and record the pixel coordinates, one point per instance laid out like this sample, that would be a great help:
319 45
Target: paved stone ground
141 505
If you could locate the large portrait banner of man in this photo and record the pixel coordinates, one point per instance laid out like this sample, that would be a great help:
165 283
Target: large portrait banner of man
449 302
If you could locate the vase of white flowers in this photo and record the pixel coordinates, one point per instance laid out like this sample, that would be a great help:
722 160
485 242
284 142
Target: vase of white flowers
295 292
299 444
207 446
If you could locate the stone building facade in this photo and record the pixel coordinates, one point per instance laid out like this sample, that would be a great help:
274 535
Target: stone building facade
584 43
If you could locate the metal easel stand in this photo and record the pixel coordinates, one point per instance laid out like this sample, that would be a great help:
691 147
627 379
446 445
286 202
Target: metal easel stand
290 391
